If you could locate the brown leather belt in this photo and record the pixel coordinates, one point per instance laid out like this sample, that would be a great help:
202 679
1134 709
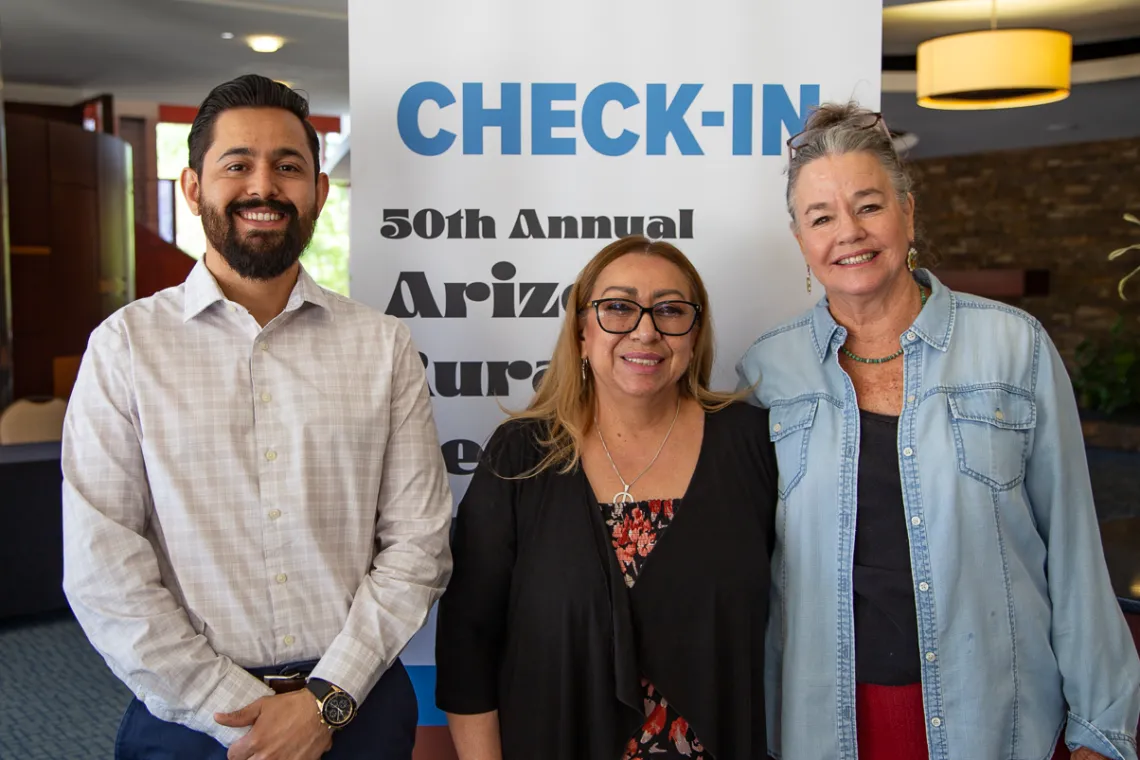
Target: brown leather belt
285 678
285 683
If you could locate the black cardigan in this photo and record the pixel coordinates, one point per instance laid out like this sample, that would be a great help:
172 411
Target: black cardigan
538 624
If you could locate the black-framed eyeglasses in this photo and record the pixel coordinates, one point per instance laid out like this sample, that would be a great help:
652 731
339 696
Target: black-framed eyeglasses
620 316
869 120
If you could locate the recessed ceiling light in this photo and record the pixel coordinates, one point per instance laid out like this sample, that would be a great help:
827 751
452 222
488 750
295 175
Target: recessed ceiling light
227 35
265 43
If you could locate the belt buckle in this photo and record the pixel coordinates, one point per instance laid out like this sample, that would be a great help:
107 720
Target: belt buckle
283 683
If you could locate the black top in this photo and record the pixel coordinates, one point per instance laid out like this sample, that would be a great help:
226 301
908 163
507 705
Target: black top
538 623
886 624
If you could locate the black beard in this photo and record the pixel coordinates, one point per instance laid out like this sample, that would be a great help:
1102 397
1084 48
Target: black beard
259 255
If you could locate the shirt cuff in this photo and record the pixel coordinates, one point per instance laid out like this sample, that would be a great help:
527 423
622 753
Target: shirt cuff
237 689
1115 746
350 665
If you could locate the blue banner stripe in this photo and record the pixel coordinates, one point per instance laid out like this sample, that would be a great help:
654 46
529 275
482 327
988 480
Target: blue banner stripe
423 681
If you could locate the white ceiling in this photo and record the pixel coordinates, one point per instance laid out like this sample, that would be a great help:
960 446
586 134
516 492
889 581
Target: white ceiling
171 51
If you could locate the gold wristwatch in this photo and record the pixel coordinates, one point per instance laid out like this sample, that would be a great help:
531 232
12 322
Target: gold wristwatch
337 707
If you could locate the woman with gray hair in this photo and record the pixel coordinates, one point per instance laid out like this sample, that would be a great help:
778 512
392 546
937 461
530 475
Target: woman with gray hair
939 587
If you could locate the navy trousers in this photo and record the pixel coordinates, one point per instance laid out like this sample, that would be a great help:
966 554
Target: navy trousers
383 729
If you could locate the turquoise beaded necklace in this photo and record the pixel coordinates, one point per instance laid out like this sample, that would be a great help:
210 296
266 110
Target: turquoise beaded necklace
896 354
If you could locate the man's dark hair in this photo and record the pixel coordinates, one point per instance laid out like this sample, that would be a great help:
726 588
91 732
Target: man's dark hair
247 91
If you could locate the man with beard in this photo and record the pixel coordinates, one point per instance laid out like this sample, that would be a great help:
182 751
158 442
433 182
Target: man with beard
255 505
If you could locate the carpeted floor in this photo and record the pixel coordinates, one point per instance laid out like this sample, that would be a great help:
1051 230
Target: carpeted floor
58 699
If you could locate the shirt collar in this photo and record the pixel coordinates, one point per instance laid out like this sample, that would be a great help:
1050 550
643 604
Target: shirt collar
934 325
202 291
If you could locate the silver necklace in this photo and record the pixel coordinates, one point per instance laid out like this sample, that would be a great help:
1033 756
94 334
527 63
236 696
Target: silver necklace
624 496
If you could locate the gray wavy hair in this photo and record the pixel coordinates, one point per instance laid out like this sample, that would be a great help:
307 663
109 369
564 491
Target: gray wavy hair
837 128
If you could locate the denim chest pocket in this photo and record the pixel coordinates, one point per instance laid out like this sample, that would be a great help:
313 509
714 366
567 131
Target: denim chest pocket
991 434
789 426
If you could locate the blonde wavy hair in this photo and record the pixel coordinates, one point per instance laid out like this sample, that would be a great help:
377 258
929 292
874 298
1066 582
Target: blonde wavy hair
564 402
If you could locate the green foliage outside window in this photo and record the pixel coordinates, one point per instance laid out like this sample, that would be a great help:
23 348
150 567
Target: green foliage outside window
327 256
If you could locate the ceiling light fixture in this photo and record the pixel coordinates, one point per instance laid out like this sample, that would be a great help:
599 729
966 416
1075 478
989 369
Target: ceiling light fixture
265 43
227 35
996 68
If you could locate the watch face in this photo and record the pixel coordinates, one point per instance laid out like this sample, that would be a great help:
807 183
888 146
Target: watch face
338 709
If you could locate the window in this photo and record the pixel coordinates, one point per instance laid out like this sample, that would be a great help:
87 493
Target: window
326 258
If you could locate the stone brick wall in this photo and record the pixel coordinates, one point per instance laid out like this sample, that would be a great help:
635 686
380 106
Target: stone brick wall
1055 208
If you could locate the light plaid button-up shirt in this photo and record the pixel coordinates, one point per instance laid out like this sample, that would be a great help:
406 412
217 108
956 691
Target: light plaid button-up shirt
237 496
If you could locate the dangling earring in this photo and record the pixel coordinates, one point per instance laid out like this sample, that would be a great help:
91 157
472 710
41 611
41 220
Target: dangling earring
809 280
911 259
585 364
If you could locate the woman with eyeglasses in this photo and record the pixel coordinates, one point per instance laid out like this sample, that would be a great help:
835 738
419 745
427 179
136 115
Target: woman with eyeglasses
610 591
939 584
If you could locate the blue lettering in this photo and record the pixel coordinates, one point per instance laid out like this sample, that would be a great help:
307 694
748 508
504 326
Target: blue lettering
592 128
508 118
742 120
779 112
543 119
668 118
408 118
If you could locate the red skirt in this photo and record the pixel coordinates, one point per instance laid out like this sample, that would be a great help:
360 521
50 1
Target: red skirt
892 725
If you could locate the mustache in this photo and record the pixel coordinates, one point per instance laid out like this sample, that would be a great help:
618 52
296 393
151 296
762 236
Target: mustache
281 207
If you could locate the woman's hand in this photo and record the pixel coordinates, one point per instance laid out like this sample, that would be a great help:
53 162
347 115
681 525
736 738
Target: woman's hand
1084 753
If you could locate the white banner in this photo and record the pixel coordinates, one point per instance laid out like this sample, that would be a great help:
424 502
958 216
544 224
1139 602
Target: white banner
497 146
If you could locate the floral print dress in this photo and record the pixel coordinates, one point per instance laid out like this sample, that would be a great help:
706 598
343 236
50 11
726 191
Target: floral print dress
635 528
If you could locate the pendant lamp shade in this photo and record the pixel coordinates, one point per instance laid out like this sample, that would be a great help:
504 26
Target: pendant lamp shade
997 68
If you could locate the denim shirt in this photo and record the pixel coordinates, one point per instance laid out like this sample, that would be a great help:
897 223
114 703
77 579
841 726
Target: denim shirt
1020 633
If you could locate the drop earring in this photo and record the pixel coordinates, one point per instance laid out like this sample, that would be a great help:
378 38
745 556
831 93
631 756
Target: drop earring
911 259
809 280
585 364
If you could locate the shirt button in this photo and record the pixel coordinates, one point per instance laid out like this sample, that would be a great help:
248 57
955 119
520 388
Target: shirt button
264 346
274 514
936 722
282 577
289 642
924 586
930 657
998 414
266 397
910 399
911 336
232 308
271 455
776 428
916 520
908 452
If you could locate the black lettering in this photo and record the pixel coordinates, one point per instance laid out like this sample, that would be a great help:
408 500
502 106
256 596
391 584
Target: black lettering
686 223
539 374
661 227
396 226
539 304
456 295
428 223
594 227
478 227
629 225
527 225
470 381
460 456
503 304
423 302
562 227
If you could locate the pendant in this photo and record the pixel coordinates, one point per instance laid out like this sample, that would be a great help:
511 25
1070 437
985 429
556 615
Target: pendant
623 497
